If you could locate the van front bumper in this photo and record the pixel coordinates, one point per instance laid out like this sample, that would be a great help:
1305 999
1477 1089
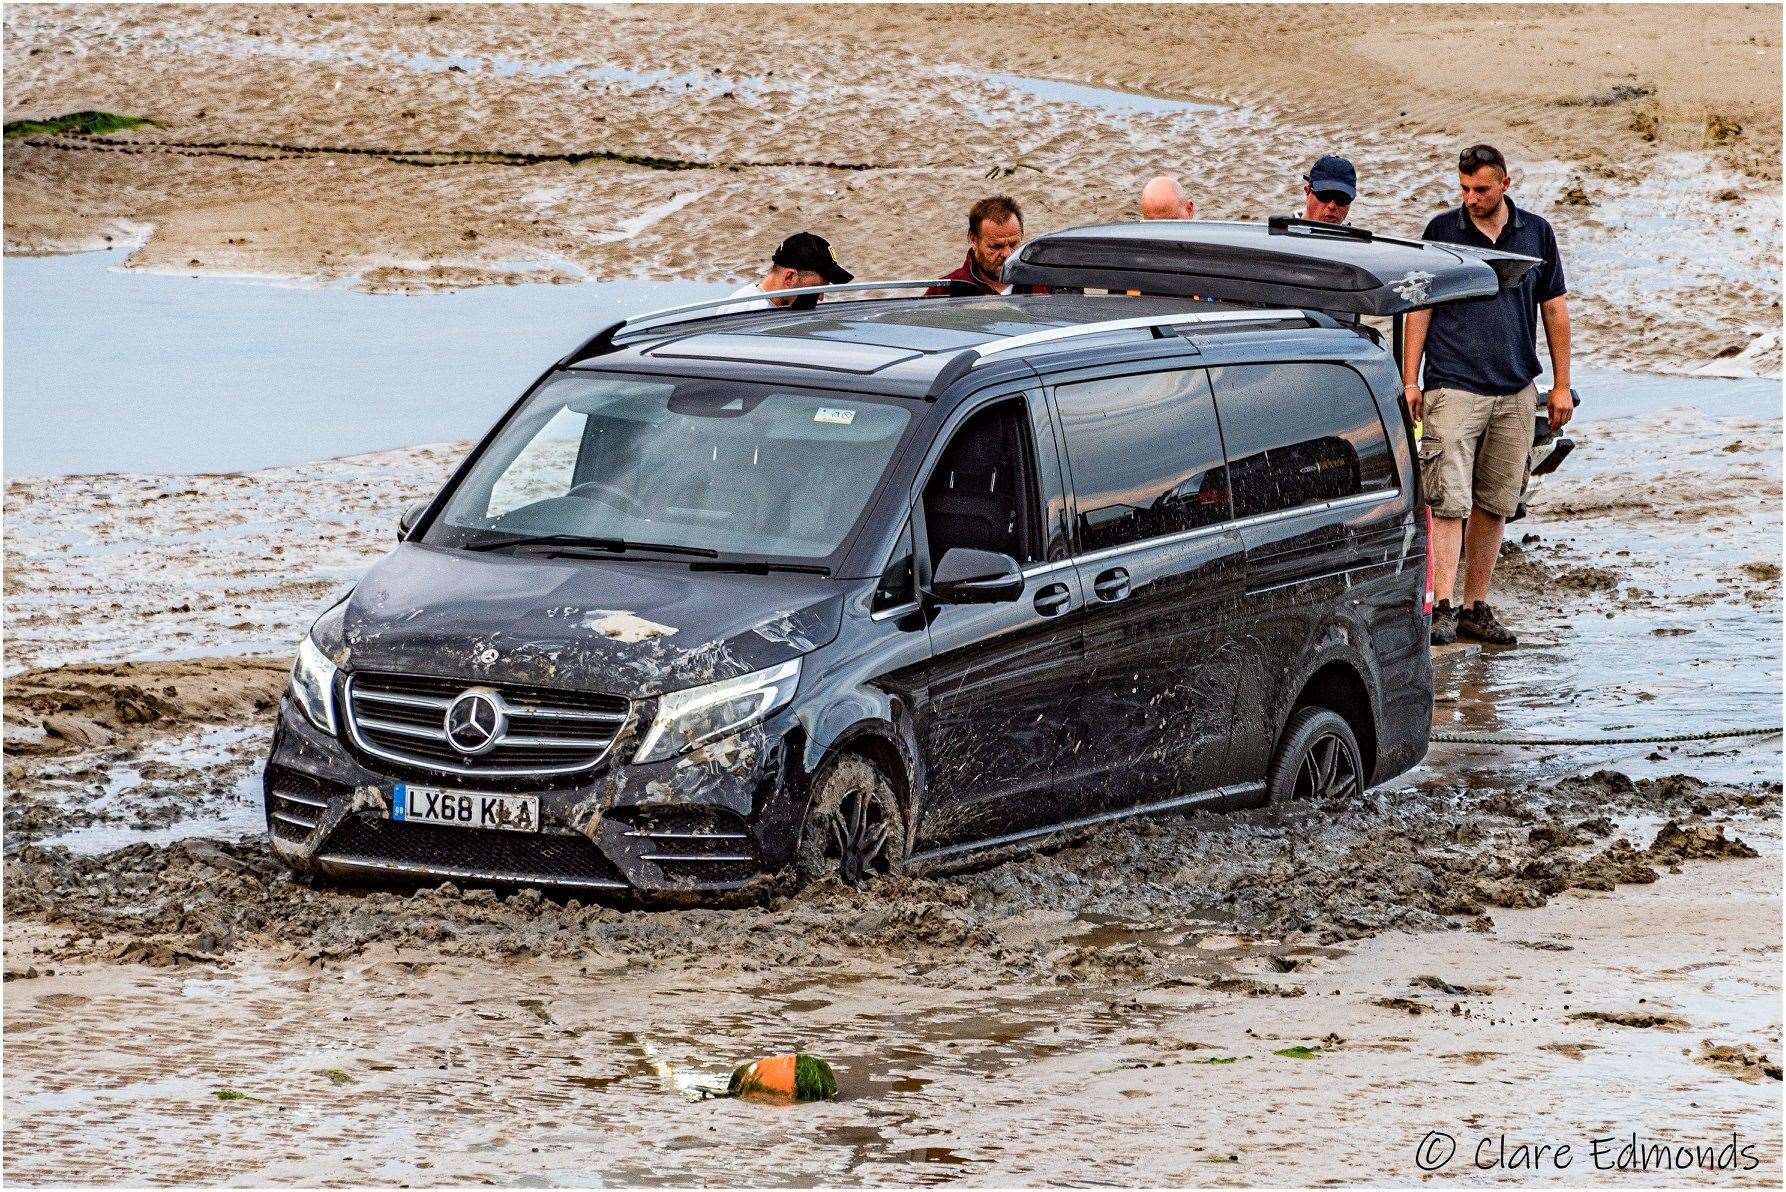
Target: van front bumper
719 819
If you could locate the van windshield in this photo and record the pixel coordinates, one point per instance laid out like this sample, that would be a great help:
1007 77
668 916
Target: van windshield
709 466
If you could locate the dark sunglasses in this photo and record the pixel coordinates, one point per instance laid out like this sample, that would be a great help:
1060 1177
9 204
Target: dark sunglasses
1339 197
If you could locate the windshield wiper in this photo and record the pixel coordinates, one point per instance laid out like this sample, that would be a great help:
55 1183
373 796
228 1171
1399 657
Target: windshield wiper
758 567
609 545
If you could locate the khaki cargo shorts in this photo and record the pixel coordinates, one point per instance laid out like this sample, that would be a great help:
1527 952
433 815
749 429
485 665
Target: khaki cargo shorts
1476 450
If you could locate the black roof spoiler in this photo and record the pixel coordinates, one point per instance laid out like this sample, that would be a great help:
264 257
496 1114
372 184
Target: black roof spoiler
1283 262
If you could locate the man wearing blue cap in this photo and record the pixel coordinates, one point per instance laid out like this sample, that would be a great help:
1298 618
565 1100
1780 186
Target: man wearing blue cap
1328 190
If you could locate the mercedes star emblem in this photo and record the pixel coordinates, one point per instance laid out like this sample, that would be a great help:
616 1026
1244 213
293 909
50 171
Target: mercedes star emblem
474 722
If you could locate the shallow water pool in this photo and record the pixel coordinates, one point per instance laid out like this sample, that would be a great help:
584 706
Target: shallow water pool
115 370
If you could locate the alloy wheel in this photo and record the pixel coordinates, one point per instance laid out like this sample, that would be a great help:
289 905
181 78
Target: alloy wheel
859 837
1328 770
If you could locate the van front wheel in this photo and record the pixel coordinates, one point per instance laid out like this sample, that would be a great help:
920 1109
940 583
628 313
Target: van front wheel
1317 758
853 828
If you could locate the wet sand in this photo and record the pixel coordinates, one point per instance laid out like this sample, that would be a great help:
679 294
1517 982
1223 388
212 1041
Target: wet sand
1435 947
301 142
1646 582
1650 1010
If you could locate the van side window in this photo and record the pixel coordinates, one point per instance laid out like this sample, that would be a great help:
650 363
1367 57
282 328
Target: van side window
982 493
1300 434
898 586
1145 456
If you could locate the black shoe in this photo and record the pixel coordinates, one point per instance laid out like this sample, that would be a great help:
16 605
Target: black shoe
1478 621
1444 623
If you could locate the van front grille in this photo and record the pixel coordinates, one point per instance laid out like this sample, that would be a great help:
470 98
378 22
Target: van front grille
539 731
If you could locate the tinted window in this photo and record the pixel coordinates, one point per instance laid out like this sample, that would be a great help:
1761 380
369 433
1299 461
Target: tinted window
1300 434
897 586
1145 456
982 492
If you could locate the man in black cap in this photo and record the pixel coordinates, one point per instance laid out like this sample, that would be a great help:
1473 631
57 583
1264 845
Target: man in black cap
1328 190
803 260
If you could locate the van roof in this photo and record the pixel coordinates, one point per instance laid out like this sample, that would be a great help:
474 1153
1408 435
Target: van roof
908 345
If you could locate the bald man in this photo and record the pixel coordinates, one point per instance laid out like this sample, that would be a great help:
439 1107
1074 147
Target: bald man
1164 198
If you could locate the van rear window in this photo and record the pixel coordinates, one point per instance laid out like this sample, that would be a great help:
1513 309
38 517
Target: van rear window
1299 434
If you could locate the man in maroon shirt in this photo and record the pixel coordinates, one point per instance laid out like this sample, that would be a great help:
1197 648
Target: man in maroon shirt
994 230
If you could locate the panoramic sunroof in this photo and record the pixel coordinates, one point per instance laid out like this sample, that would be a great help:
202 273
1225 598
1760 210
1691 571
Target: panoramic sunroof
800 351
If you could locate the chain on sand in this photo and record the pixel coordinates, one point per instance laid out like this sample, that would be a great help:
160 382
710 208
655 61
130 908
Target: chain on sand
1503 739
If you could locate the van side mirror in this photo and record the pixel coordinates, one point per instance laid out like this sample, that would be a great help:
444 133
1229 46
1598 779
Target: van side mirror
969 576
411 515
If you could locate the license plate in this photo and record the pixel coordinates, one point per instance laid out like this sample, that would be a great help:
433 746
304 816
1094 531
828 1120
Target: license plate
465 809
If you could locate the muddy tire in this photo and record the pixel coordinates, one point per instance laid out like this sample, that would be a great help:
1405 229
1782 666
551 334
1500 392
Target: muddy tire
854 829
1317 759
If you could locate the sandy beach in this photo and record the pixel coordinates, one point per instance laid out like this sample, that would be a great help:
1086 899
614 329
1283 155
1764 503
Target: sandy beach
1507 946
314 142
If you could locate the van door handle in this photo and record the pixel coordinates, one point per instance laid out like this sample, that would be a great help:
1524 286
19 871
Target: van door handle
1053 600
1111 585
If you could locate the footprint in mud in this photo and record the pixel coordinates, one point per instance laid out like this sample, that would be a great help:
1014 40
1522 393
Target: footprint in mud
1443 986
1574 1051
1254 988
1472 1058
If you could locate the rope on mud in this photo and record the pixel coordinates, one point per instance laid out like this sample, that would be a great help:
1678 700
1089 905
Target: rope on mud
1504 739
275 151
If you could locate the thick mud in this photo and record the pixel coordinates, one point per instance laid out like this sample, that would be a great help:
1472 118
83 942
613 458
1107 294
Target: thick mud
68 708
1651 1011
1414 859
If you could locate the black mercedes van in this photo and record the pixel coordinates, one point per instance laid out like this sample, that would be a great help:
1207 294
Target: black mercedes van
892 580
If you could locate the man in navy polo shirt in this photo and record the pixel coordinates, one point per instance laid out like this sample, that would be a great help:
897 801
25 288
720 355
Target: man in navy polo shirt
1478 398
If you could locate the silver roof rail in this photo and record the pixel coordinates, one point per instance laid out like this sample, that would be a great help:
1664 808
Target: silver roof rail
603 340
1017 343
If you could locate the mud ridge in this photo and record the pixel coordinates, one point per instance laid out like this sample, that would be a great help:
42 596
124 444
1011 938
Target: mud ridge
1418 860
277 151
67 708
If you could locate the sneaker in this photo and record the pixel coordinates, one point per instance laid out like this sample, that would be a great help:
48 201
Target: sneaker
1444 623
1478 621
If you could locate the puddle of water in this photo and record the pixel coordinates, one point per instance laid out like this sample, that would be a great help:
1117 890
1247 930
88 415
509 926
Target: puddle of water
1698 653
241 816
1607 394
1105 99
230 815
270 374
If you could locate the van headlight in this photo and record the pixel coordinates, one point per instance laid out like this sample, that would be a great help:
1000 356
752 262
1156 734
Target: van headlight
313 685
686 719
